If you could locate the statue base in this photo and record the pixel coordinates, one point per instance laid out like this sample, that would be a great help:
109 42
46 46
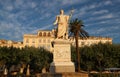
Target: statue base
59 67
62 57
64 74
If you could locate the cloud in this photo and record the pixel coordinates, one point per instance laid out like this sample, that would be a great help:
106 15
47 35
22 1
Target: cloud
71 2
108 2
42 28
103 17
33 4
45 27
107 16
24 4
106 31
100 12
10 30
9 8
86 9
95 5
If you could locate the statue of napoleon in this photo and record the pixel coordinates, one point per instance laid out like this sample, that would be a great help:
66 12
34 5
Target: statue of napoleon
62 25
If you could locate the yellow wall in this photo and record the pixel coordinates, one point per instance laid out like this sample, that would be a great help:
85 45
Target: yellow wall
44 39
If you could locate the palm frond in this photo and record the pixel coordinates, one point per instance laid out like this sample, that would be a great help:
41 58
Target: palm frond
76 26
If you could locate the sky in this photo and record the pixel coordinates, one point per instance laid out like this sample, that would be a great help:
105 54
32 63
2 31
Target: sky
19 17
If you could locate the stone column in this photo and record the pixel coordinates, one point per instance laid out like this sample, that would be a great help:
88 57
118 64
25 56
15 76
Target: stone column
62 57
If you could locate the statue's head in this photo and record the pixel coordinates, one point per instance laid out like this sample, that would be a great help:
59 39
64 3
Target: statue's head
61 11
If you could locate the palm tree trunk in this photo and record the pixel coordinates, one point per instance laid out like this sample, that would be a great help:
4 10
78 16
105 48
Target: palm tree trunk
77 51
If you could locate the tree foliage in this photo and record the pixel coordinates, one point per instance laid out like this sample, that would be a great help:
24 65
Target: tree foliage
100 56
37 58
96 57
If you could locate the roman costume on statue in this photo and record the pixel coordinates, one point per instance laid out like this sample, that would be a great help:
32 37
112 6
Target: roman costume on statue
62 25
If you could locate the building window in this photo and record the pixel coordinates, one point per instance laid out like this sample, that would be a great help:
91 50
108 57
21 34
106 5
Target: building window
44 41
27 40
40 41
33 41
82 43
48 40
40 34
49 34
44 34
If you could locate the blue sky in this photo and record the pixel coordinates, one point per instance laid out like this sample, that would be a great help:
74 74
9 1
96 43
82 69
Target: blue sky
19 17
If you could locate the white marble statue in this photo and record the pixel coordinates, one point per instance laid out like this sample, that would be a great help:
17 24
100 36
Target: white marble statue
62 25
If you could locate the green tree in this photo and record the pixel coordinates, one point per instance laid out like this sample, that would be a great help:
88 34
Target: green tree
76 30
37 58
87 56
40 59
3 56
98 57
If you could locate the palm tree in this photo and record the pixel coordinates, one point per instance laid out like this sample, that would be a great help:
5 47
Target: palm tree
76 31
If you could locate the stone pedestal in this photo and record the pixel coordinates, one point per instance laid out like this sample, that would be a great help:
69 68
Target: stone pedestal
62 57
65 74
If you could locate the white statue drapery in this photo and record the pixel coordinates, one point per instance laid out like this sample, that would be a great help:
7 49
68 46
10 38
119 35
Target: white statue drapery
62 25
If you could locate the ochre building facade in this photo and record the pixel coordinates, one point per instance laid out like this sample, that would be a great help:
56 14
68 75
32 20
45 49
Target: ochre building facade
43 38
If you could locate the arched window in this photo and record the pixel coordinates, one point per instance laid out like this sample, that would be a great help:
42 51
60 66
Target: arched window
40 34
48 34
27 40
44 34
